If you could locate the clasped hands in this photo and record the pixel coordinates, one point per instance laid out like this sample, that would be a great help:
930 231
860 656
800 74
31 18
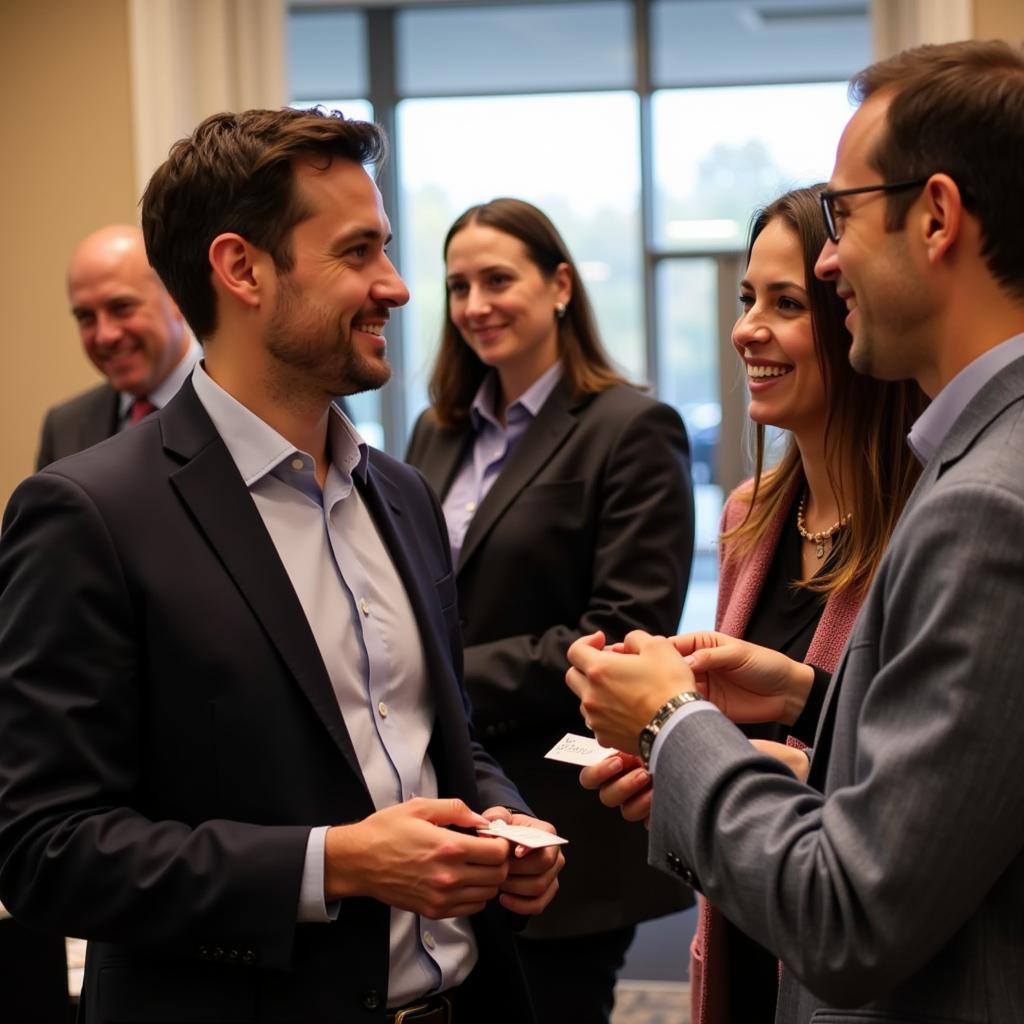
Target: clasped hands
621 687
407 857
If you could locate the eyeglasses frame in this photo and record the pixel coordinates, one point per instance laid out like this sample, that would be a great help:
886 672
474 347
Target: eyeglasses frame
826 198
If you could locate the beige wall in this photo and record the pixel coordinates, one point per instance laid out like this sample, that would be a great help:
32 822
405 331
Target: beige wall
66 168
999 19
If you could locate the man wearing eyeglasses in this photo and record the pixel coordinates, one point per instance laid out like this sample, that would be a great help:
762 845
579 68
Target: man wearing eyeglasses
893 880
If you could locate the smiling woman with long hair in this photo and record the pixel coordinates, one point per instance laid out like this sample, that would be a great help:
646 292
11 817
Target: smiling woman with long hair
801 540
567 497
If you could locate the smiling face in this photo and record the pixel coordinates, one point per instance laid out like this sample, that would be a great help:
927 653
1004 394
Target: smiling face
775 339
503 306
875 271
326 332
130 328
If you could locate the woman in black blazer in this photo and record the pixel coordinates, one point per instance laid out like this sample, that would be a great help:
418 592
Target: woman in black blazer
569 507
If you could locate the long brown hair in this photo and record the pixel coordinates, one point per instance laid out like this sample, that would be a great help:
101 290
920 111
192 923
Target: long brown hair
870 467
458 371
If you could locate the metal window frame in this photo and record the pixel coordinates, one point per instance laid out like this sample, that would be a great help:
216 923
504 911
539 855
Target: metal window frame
383 94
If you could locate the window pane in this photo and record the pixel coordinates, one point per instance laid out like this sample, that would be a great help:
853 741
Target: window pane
553 151
720 153
515 48
327 54
688 358
688 353
710 42
356 110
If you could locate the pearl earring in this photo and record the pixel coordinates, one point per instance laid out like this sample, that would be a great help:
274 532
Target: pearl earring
560 310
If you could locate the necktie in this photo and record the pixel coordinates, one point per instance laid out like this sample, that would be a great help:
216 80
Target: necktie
139 408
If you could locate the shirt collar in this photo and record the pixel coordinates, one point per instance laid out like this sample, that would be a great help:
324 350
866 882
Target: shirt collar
936 421
531 401
171 384
257 448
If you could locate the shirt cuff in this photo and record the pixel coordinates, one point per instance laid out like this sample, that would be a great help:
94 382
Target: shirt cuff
313 907
693 708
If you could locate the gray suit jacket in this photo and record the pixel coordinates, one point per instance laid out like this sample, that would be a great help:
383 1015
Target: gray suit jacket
77 424
894 882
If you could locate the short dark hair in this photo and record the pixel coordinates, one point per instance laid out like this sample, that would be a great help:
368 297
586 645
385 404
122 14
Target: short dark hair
958 108
458 371
235 172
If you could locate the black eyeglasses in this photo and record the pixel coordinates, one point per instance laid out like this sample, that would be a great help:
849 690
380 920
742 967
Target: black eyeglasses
829 198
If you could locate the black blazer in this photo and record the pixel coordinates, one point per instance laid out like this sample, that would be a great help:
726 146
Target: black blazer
171 735
589 526
78 423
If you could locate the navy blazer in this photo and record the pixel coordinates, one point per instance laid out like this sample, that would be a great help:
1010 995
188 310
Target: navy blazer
171 734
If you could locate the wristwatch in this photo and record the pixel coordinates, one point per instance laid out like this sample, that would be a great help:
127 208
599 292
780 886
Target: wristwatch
657 723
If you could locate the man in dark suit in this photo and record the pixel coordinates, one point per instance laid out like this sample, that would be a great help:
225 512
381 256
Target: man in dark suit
893 880
131 331
236 754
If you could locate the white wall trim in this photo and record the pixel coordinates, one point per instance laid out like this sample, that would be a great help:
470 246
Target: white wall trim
900 24
192 58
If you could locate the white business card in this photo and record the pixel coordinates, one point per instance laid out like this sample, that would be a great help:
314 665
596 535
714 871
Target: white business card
581 750
523 835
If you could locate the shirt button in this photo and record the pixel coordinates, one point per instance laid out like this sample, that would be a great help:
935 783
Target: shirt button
298 464
428 940
364 606
383 709
470 506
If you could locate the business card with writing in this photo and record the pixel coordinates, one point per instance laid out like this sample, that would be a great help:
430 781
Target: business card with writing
581 750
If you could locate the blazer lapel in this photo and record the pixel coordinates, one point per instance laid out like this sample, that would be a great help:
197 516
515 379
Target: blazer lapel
991 401
443 456
544 436
209 484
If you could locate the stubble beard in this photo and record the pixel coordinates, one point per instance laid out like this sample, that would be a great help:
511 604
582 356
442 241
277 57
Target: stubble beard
313 349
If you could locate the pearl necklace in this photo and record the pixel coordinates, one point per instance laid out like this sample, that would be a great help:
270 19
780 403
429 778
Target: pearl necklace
818 539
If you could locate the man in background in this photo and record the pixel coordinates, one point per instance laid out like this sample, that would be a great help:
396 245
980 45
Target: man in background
131 331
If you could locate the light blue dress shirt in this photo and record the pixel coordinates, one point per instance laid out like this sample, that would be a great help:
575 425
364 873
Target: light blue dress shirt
368 637
494 445
936 421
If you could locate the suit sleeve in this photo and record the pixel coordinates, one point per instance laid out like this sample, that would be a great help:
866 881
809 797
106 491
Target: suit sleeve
857 890
638 571
76 855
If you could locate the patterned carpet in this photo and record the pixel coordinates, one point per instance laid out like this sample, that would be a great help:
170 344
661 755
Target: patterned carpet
651 1002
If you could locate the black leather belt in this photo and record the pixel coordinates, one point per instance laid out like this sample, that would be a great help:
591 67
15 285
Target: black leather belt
432 1010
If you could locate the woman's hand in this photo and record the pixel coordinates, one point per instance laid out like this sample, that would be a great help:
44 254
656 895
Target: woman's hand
746 682
794 758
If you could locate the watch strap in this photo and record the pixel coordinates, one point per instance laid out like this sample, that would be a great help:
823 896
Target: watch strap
649 733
